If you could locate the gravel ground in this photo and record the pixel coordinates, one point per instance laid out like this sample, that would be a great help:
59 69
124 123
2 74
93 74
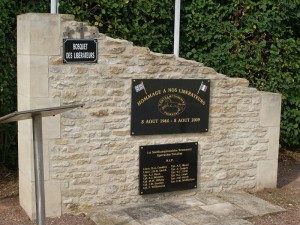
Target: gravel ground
287 195
11 213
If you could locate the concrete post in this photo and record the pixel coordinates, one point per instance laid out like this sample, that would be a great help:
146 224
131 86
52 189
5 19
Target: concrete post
38 38
269 119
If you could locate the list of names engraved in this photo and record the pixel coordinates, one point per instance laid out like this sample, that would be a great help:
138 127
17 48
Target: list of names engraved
180 173
154 177
168 167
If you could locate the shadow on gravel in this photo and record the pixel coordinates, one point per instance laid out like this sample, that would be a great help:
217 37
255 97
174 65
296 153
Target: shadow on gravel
288 170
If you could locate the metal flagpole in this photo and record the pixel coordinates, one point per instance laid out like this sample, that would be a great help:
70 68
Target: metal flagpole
39 169
177 28
54 6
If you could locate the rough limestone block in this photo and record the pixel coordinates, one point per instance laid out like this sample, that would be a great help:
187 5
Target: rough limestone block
66 17
270 109
267 174
39 34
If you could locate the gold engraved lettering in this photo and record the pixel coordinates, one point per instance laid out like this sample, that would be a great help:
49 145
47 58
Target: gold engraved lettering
176 153
172 90
149 96
151 121
153 177
180 173
183 120
186 92
195 120
164 121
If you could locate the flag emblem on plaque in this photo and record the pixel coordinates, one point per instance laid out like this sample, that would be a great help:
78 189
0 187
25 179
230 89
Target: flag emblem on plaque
140 87
203 87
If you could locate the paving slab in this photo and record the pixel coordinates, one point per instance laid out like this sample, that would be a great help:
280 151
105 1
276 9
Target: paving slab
113 218
230 222
144 213
196 215
250 203
201 209
152 216
227 210
164 220
171 207
193 202
235 222
209 199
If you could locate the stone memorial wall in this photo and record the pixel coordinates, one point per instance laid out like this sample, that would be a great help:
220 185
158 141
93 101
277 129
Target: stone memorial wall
92 158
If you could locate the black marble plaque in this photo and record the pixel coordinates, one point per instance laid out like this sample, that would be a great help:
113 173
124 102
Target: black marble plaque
80 50
161 106
168 167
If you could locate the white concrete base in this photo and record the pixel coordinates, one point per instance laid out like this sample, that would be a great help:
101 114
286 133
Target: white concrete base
27 197
267 174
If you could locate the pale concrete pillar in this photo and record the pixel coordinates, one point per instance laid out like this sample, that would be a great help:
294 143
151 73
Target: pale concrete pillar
38 38
269 118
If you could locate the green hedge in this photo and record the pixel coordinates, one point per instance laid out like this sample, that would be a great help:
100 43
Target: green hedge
144 22
257 40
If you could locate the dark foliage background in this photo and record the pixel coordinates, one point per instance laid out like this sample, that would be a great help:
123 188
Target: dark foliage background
8 67
254 39
257 40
